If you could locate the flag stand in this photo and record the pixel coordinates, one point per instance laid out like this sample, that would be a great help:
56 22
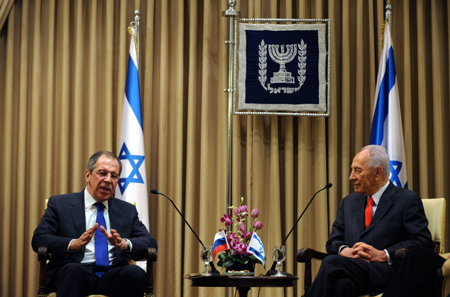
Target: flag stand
231 13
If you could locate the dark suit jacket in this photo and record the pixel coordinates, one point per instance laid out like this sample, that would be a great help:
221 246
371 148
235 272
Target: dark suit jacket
64 220
399 222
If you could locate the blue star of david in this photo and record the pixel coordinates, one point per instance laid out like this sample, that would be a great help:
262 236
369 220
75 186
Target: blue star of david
396 167
135 162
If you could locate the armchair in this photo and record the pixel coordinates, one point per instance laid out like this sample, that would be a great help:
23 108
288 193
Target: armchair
44 256
435 213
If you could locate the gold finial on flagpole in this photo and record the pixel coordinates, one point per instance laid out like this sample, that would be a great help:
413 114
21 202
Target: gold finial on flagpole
388 15
135 25
387 21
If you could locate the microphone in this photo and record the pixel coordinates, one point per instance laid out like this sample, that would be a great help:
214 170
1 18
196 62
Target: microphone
213 268
272 270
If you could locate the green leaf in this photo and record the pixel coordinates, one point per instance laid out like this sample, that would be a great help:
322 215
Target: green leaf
227 263
223 256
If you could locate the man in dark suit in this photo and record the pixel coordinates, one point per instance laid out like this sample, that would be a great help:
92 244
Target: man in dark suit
360 257
73 225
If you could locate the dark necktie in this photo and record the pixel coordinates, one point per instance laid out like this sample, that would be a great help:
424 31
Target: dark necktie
368 212
101 244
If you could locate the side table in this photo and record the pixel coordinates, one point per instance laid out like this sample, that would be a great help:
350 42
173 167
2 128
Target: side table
242 283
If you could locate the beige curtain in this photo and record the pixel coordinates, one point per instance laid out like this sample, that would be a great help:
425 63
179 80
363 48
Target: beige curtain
62 78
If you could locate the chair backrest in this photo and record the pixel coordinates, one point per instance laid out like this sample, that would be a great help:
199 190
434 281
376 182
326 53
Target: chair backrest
435 212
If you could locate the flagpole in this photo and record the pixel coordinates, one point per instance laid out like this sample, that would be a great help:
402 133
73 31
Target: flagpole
231 13
135 25
388 15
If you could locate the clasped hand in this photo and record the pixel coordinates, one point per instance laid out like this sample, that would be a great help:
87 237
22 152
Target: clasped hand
113 237
364 252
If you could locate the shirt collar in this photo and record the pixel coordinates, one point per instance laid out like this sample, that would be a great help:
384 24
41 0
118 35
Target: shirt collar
89 200
377 196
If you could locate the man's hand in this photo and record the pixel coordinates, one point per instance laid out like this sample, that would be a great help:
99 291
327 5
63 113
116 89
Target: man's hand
368 253
347 252
364 252
85 238
115 239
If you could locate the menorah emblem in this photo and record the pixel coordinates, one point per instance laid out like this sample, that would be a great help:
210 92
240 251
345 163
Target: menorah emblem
282 57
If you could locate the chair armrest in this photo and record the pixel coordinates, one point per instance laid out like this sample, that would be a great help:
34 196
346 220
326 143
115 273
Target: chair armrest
305 255
151 256
400 254
43 256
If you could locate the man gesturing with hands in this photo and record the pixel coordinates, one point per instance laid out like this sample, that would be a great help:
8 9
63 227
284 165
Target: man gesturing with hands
82 230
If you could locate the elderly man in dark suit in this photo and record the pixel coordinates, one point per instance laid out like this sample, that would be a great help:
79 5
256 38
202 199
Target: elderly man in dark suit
370 225
90 234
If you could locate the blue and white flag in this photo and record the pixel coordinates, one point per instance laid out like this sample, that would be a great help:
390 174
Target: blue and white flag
132 184
256 248
387 128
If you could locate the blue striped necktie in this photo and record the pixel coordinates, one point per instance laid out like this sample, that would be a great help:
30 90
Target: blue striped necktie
101 244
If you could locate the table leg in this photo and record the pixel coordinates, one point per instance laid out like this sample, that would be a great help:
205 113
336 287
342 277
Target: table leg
243 291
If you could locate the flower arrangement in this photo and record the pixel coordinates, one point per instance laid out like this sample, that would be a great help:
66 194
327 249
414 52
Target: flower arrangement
237 257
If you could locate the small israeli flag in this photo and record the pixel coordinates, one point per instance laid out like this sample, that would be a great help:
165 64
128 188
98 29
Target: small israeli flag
132 184
256 248
387 128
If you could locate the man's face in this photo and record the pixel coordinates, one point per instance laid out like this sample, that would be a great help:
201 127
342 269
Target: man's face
364 181
102 181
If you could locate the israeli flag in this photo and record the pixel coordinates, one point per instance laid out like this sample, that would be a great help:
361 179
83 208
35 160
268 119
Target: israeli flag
387 128
256 248
132 184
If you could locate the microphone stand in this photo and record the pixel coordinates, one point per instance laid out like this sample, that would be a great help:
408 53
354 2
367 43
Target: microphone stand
272 270
211 264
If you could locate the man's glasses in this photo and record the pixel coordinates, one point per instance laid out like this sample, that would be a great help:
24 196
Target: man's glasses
103 174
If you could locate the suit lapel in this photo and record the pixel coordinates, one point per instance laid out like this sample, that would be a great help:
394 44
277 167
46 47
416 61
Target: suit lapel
115 216
77 212
359 208
383 206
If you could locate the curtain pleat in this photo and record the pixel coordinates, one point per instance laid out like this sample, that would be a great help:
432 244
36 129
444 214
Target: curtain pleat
62 78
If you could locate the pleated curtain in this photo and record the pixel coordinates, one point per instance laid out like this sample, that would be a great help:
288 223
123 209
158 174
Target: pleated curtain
62 80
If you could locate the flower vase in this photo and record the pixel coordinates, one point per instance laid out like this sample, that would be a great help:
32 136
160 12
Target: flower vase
238 266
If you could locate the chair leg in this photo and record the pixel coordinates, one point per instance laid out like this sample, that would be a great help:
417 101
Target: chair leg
308 276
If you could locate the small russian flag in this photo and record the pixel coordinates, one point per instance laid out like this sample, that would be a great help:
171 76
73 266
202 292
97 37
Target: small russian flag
220 243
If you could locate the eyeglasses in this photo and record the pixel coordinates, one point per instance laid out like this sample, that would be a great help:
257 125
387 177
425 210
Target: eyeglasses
104 174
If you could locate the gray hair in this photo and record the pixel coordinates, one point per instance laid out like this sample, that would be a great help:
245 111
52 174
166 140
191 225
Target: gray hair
378 156
94 158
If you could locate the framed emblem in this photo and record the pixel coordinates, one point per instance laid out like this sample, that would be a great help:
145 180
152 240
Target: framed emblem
282 67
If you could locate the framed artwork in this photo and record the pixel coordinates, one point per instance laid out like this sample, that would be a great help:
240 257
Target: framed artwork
282 67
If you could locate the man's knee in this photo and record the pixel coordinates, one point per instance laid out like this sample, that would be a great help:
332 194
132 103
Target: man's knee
344 287
72 269
133 273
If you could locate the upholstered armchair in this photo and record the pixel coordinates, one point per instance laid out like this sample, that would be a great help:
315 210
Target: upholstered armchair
435 213
44 256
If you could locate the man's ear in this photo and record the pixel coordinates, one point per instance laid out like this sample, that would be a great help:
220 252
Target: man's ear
378 172
87 175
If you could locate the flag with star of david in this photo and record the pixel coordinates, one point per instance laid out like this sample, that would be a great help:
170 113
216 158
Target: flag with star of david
132 184
387 128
